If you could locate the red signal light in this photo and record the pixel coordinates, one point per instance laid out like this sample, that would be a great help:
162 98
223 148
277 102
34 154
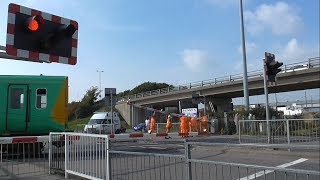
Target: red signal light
34 23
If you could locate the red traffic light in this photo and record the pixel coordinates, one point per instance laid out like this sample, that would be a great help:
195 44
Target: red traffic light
34 23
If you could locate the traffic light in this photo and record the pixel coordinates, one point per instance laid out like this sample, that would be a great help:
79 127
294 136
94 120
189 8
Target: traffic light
40 36
272 67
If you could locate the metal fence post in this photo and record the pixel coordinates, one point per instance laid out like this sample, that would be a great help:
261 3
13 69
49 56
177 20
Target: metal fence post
50 152
66 152
187 163
108 168
239 130
1 156
288 131
157 127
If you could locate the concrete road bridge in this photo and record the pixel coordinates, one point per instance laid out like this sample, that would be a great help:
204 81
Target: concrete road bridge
217 93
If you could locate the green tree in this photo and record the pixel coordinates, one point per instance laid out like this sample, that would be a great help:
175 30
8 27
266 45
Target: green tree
72 108
87 104
144 87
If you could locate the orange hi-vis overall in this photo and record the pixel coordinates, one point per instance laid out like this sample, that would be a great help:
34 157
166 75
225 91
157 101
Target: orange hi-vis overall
168 125
184 124
152 125
194 124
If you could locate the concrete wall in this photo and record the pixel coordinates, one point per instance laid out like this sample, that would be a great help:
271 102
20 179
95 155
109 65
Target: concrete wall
132 115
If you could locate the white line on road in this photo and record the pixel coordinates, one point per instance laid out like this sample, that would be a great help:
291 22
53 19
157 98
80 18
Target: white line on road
261 173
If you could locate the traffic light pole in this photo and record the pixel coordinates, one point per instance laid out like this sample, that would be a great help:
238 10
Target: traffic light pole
267 99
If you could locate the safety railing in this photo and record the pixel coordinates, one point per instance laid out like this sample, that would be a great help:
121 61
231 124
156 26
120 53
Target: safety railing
23 157
90 156
310 63
281 131
203 167
85 155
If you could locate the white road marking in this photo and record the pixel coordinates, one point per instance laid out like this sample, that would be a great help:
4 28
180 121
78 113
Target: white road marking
261 173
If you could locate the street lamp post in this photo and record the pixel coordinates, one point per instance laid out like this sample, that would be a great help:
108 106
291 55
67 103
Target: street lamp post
245 77
100 71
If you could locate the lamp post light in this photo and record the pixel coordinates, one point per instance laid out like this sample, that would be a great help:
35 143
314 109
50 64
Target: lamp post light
245 76
100 71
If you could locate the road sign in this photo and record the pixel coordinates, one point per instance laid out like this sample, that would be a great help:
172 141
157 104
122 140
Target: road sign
110 96
41 37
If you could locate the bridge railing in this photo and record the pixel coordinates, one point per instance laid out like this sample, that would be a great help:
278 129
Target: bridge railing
310 63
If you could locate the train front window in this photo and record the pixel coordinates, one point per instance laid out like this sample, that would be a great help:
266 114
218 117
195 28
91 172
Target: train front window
17 97
41 98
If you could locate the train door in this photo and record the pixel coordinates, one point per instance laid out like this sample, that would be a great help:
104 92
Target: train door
17 109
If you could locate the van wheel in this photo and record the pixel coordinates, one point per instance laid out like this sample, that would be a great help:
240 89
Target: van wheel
117 131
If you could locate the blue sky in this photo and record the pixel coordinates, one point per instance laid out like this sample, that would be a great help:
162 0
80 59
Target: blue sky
173 41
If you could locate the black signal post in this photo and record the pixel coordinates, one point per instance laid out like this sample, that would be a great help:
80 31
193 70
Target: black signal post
271 68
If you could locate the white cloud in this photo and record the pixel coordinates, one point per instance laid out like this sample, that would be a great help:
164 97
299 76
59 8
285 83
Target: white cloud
293 51
280 18
250 47
194 59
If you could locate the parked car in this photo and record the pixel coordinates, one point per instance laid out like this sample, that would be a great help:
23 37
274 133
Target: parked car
102 123
140 127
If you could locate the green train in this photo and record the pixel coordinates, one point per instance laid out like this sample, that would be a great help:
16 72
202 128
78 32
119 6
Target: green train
33 105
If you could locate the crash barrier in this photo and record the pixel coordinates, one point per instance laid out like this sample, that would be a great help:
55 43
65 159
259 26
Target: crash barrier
281 131
91 156
23 157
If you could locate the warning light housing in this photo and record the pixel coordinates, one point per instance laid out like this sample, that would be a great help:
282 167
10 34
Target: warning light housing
41 37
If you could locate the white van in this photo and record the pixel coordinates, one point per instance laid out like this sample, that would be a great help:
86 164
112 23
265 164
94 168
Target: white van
101 123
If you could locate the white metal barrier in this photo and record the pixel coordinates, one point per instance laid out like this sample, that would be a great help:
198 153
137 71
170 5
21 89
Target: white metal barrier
281 131
90 156
85 155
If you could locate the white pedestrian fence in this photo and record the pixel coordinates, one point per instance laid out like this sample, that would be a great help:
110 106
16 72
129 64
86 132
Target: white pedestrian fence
281 131
91 156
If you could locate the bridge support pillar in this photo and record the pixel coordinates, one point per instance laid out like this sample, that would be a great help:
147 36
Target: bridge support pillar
218 104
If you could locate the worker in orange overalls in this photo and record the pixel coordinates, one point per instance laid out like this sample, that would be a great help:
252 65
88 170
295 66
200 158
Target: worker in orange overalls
194 124
184 125
168 126
204 124
152 124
